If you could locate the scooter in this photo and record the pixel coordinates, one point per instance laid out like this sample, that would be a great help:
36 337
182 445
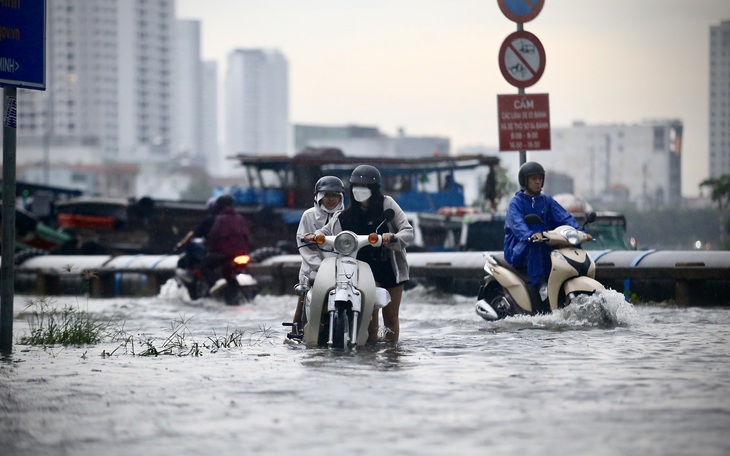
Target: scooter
234 287
507 291
339 305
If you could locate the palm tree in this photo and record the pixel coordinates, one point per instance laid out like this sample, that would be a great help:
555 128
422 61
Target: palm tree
719 188
720 192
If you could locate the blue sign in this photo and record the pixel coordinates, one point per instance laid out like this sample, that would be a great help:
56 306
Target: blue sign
23 43
521 10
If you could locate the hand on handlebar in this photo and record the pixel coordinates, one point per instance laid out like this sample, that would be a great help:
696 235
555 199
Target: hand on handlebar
537 237
388 238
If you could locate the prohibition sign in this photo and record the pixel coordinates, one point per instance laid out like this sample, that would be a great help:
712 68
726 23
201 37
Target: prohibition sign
521 10
522 59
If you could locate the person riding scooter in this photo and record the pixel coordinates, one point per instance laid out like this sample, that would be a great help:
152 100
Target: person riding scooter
522 247
228 237
329 197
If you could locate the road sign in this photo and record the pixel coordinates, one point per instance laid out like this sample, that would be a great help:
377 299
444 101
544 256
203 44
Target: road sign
521 10
522 59
23 43
524 122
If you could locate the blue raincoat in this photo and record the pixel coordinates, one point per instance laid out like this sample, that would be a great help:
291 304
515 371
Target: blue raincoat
518 251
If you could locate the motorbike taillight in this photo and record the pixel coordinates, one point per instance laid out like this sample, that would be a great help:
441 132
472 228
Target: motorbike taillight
242 260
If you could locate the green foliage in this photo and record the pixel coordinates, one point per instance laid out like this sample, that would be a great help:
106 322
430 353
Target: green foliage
50 325
197 191
719 189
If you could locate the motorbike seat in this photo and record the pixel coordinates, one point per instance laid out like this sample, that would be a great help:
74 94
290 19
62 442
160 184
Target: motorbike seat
521 272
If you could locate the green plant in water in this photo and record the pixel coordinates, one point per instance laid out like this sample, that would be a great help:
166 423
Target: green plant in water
50 325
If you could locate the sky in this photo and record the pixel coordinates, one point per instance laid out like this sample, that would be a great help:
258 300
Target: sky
431 67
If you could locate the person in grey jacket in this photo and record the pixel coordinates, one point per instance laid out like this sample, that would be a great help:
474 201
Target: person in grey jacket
388 262
329 197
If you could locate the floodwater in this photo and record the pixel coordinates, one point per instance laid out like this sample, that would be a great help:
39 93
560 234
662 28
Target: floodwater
655 380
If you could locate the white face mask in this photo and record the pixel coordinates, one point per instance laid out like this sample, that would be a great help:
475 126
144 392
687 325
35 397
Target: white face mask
361 194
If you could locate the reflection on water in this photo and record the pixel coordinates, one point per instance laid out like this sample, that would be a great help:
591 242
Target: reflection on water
609 379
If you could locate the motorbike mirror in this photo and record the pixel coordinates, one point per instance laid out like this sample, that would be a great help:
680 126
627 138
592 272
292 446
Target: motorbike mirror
590 218
532 219
388 215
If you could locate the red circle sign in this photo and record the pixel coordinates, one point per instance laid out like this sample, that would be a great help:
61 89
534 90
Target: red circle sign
522 59
521 11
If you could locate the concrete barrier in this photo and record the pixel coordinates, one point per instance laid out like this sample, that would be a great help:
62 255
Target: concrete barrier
687 277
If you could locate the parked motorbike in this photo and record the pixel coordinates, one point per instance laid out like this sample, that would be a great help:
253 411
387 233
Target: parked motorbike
339 305
507 291
235 285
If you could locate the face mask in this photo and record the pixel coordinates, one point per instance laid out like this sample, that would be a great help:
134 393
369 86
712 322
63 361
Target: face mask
361 194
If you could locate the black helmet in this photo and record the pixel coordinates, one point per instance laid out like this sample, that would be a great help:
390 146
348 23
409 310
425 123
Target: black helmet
224 201
365 175
529 169
329 184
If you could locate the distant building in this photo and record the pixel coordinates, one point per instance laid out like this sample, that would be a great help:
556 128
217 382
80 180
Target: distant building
305 135
93 179
109 87
187 100
257 102
615 164
359 141
720 100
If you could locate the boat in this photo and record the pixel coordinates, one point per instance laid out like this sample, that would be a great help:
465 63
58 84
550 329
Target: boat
421 184
273 193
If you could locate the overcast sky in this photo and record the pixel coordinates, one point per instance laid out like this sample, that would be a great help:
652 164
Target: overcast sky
431 66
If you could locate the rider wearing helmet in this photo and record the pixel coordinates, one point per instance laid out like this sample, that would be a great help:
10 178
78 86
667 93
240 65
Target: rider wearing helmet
388 263
228 238
518 251
329 197
202 229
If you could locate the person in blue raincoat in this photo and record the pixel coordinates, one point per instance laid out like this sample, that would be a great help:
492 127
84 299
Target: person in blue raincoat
518 250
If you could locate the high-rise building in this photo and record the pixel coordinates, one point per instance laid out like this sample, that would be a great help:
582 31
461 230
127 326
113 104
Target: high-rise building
187 102
614 164
257 102
720 100
108 84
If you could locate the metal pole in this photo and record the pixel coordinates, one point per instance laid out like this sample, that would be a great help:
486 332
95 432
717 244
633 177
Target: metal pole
521 91
7 272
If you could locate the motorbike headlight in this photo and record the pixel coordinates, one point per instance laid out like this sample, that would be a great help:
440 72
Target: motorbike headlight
345 243
571 235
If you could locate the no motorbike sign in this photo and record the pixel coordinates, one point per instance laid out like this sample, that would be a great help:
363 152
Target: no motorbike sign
522 59
524 122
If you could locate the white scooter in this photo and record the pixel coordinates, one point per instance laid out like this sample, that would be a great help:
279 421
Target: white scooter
507 291
338 308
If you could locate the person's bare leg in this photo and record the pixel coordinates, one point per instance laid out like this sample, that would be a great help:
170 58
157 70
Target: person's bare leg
391 318
373 327
296 329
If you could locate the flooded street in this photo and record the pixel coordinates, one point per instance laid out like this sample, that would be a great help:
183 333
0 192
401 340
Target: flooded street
655 382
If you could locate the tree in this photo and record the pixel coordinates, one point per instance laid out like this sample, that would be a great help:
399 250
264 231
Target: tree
720 192
719 189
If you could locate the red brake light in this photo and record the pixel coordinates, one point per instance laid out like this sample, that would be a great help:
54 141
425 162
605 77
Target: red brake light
242 259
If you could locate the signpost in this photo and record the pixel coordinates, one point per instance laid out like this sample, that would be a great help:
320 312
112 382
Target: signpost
524 120
521 11
22 64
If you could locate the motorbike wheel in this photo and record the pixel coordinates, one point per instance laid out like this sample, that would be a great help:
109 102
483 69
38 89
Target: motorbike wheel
196 289
340 338
497 298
